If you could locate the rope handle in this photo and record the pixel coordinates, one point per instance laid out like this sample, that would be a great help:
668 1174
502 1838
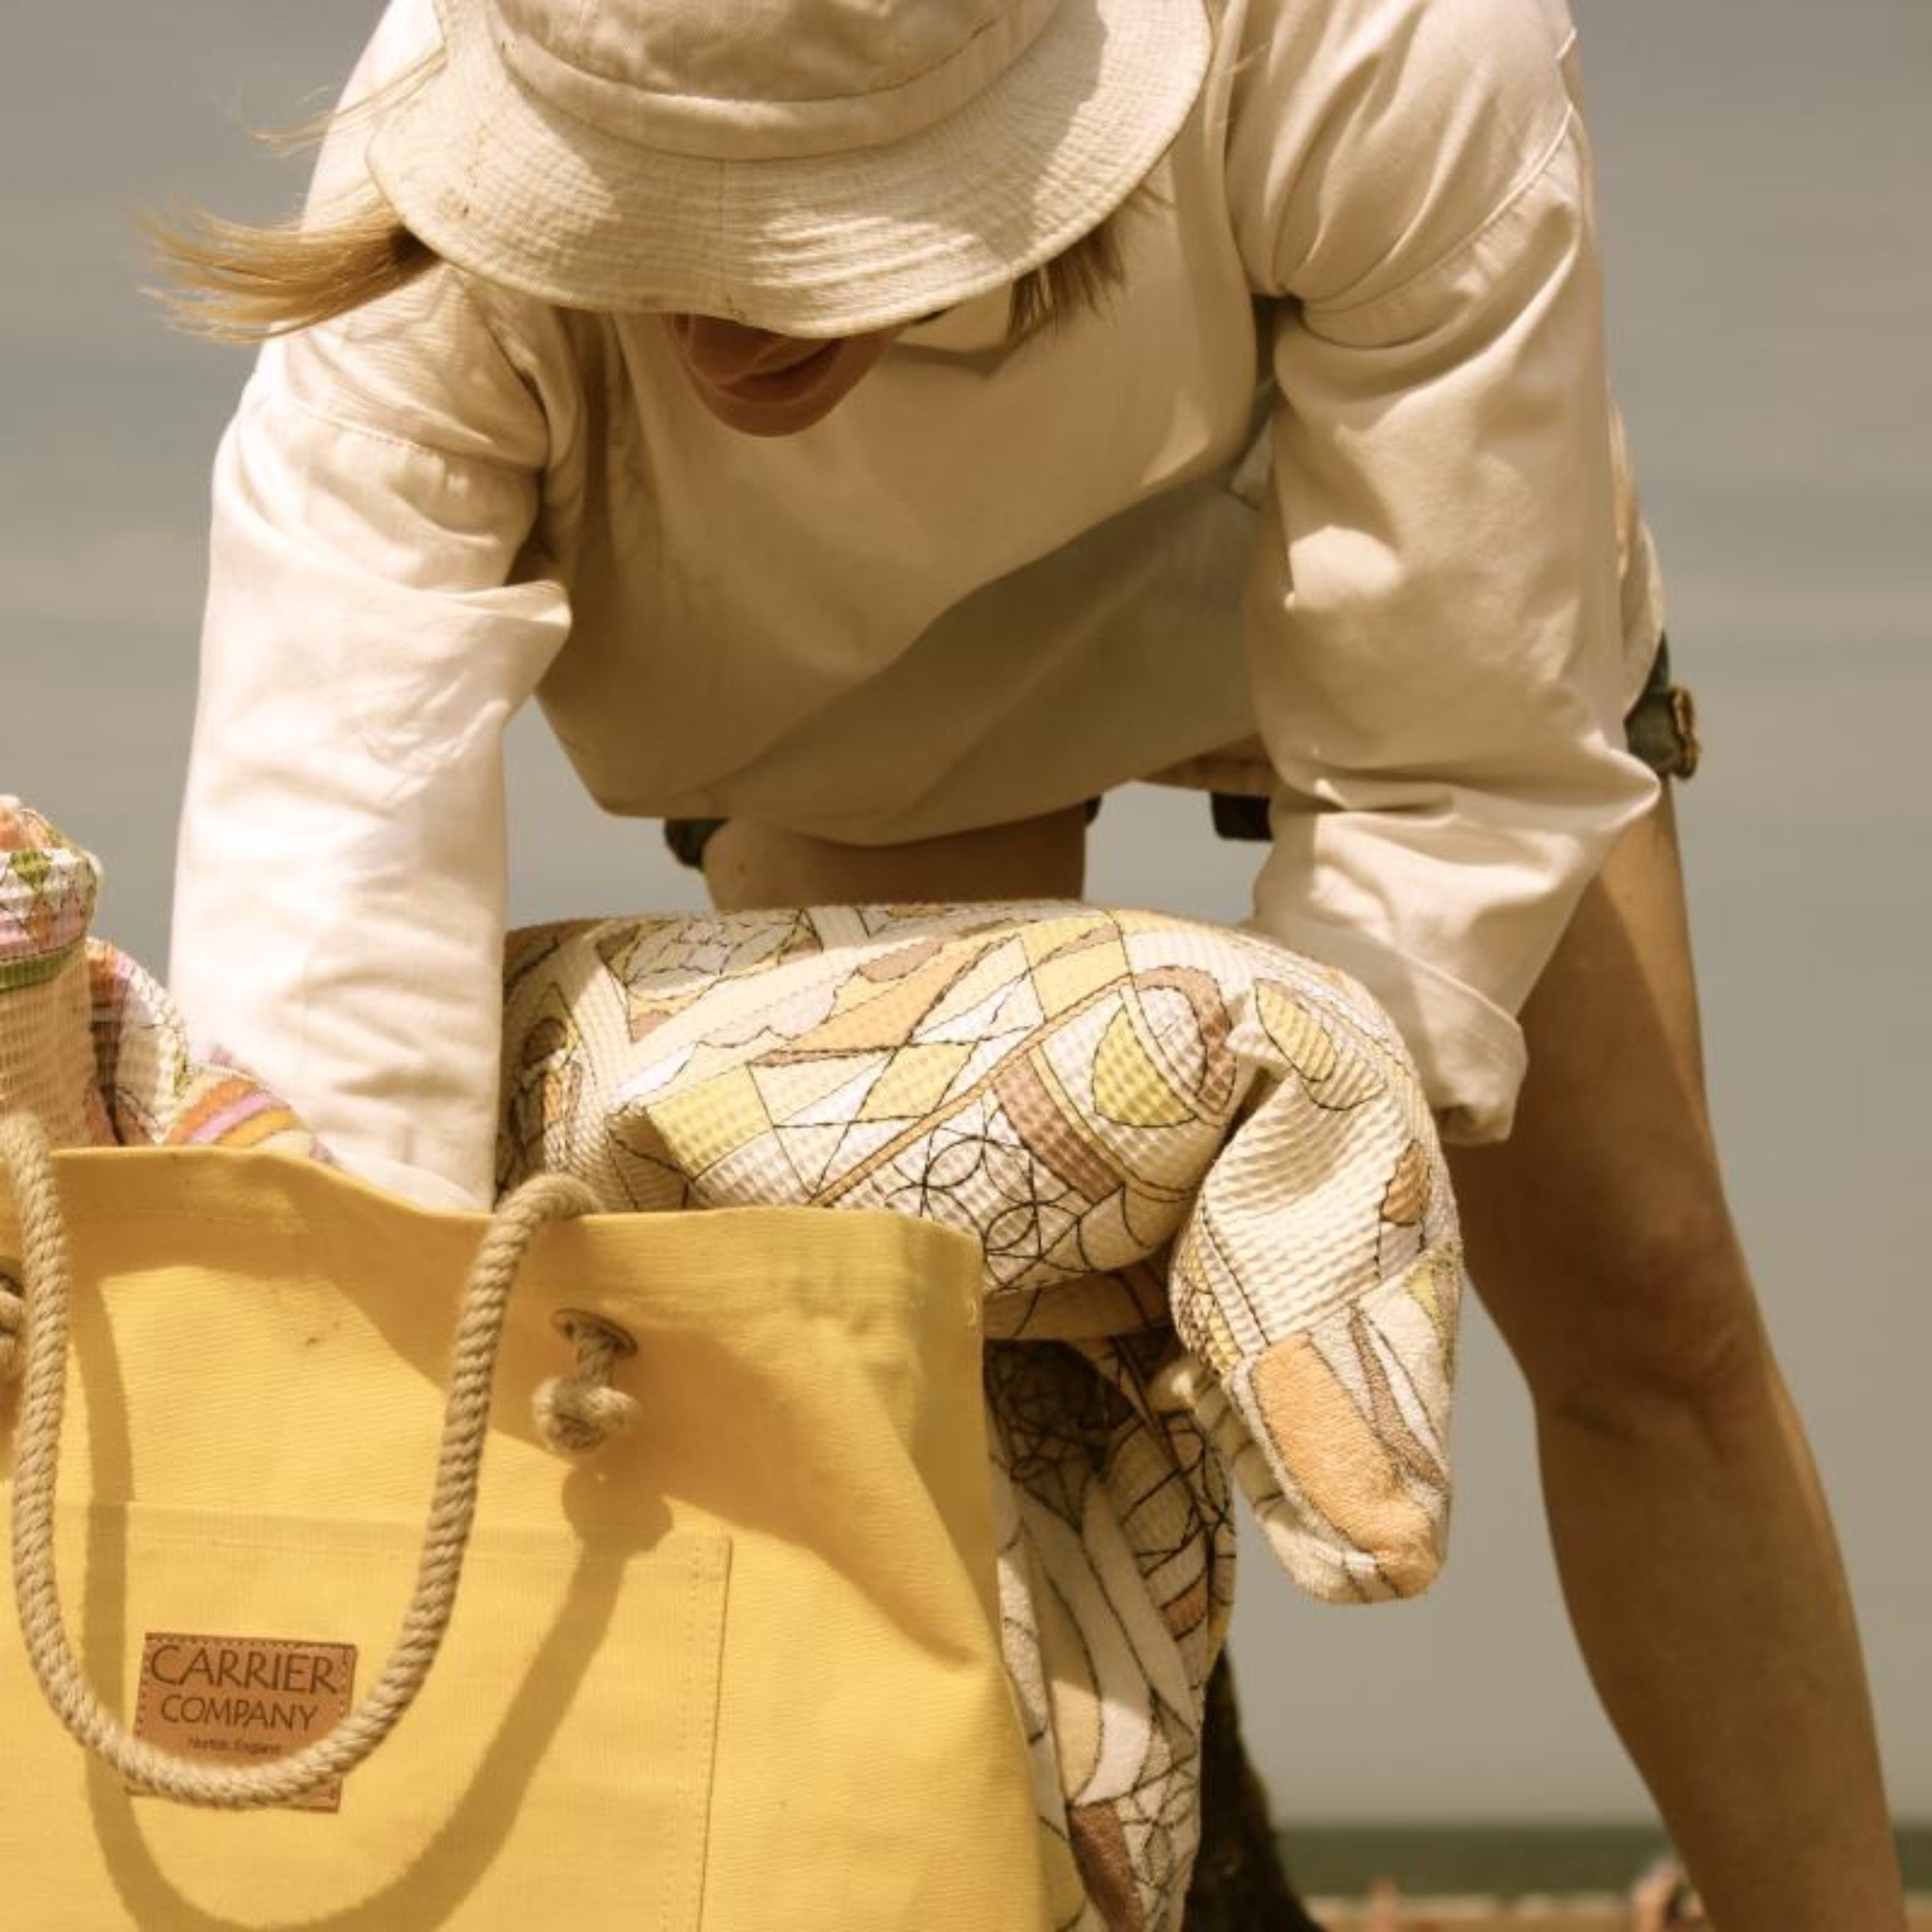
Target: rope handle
574 1414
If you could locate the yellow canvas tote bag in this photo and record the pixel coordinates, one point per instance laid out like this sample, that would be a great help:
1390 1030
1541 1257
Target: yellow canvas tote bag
737 1670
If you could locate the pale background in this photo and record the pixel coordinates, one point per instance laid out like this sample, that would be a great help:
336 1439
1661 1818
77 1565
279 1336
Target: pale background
1765 179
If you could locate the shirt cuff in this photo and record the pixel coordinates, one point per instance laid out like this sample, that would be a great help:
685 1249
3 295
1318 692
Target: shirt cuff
1469 1053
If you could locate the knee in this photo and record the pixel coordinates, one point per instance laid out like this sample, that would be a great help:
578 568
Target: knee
1661 1316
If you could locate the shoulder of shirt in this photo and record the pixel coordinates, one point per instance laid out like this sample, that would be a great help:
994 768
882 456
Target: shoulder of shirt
445 363
1367 138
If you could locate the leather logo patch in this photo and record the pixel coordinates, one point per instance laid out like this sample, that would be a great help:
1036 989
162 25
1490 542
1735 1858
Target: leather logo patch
239 1700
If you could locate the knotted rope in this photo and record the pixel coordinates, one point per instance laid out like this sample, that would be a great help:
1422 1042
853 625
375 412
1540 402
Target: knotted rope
13 1324
26 1163
576 1414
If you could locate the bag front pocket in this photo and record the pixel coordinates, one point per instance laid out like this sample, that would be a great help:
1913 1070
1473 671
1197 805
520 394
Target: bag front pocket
556 1768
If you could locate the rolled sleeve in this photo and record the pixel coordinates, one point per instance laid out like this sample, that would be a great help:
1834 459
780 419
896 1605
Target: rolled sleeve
1436 623
340 897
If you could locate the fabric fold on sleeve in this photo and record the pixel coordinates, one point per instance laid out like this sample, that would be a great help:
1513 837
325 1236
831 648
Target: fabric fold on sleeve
341 888
1437 628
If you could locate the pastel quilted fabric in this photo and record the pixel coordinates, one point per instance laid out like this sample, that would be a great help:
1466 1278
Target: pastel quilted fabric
1083 1091
160 1093
89 1043
48 889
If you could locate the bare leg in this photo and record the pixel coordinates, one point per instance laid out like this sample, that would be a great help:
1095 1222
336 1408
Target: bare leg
1696 1552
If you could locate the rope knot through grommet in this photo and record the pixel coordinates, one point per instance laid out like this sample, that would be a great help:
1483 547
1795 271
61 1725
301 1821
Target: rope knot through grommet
13 1322
576 1414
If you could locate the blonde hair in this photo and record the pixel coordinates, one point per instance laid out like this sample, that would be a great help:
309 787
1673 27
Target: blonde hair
242 282
1083 279
238 282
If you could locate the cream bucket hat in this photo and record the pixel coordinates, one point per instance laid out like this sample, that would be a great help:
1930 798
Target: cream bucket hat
815 167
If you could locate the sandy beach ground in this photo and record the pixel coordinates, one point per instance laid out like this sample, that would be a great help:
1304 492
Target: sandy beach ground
1584 1912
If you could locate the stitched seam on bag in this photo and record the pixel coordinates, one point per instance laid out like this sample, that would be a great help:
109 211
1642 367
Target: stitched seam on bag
687 1701
329 1546
705 1581
276 1224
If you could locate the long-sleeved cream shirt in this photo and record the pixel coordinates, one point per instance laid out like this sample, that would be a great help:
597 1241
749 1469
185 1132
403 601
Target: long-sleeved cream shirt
991 583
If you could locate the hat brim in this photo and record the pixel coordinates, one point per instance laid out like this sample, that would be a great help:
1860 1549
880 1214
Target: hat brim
518 193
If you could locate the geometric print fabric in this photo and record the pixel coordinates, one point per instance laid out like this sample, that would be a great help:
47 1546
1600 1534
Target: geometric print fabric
1218 1240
